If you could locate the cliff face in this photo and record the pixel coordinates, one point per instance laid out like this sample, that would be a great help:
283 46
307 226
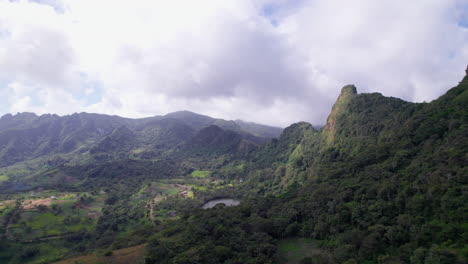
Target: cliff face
347 94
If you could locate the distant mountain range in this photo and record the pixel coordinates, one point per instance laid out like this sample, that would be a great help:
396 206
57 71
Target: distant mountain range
27 136
36 144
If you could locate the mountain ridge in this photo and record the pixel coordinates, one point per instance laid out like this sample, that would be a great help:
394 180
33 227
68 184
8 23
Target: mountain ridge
193 119
26 135
384 182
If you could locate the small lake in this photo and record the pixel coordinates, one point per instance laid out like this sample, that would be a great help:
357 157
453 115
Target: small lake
226 201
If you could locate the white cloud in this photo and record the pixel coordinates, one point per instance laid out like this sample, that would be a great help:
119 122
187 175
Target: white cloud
225 58
385 46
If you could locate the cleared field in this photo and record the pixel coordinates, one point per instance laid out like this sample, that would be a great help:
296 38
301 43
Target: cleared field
58 215
35 225
160 189
132 255
31 204
7 204
3 178
200 174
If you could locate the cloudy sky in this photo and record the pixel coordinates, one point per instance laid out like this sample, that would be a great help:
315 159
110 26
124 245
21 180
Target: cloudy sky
269 61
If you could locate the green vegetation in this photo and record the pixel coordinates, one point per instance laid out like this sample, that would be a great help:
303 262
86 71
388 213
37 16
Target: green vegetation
121 256
43 218
201 174
3 178
295 250
383 182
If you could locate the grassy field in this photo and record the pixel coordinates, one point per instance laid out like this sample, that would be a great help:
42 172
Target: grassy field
132 255
34 224
7 204
194 183
200 174
3 178
40 253
49 213
161 189
49 252
6 208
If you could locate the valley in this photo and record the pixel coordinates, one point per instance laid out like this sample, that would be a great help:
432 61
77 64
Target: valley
383 182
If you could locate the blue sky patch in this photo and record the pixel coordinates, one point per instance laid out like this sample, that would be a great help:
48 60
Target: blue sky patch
91 93
463 19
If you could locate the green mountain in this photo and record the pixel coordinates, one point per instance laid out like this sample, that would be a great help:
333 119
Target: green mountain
41 145
27 136
197 121
384 181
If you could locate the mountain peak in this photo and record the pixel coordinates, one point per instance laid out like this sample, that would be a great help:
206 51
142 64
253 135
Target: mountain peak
465 78
349 89
25 115
7 116
348 92
185 114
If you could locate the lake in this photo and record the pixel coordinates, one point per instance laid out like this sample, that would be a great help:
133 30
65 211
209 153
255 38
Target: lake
226 201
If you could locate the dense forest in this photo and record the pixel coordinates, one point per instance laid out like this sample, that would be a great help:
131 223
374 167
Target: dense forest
384 181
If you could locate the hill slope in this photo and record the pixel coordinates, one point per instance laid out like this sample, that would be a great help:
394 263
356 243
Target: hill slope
385 181
33 146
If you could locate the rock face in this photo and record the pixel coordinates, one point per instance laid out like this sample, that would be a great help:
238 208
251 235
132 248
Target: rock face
348 92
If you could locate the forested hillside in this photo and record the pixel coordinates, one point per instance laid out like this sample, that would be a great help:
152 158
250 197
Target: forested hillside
384 181
86 182
32 146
